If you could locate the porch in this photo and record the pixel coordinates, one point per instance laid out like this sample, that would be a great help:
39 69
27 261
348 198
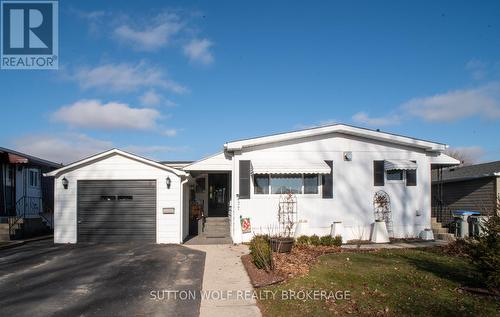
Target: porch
209 198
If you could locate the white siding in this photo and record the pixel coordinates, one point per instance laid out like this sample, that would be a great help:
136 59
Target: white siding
117 167
217 162
353 188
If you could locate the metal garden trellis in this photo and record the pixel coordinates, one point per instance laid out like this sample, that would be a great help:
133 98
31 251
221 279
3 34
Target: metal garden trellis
382 210
287 213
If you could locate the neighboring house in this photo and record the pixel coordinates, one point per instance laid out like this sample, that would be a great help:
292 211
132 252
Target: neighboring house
334 172
26 198
472 188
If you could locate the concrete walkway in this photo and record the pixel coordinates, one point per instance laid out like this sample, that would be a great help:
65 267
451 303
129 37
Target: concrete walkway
397 245
224 274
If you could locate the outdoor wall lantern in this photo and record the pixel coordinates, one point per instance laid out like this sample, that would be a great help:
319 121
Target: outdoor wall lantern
65 183
169 182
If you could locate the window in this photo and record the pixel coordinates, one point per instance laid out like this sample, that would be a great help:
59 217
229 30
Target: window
310 184
33 178
395 175
286 183
261 184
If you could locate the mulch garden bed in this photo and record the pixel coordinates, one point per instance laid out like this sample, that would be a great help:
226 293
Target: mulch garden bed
287 265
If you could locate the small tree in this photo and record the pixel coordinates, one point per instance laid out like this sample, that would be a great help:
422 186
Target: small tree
484 250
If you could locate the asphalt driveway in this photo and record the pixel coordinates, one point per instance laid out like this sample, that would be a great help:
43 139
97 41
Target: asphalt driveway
43 279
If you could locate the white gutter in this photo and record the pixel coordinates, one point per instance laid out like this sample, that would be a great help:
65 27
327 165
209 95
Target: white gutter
181 212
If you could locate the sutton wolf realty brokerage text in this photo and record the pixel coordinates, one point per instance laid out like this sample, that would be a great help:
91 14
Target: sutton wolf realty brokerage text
302 295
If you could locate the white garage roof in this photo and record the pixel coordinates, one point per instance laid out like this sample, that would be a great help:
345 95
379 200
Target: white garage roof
292 167
103 155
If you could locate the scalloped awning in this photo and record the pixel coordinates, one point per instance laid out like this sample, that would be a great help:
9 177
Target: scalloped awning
390 165
290 167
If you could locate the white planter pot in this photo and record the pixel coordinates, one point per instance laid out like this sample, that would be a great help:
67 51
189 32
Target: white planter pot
301 229
337 229
379 233
426 234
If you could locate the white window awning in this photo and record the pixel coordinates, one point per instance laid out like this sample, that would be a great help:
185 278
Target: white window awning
399 165
290 167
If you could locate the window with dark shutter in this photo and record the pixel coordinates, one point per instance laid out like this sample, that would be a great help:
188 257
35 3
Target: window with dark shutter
244 180
378 173
411 177
327 182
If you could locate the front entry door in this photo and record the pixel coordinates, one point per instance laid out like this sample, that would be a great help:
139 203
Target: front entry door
218 195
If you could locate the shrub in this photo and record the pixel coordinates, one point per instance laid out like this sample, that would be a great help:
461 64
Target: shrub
314 240
326 240
302 240
337 241
262 255
484 251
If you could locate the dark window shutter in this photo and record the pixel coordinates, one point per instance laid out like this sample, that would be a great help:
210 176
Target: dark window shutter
378 173
327 182
411 177
244 179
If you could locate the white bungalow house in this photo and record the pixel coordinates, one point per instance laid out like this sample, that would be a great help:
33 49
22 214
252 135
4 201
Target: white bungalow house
334 172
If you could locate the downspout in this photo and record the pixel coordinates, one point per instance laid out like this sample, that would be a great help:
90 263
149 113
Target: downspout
181 213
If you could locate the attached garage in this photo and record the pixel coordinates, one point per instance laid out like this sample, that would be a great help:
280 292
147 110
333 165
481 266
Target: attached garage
116 196
116 210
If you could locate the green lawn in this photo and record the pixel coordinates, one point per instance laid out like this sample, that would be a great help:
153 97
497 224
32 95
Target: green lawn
391 283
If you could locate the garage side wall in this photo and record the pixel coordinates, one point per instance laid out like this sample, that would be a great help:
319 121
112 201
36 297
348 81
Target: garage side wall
168 226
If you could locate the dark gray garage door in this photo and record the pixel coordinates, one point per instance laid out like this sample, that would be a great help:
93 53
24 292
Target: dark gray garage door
116 210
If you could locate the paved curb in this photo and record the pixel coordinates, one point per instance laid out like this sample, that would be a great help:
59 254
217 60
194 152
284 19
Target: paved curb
18 243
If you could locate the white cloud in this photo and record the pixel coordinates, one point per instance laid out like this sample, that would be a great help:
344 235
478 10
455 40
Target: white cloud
198 51
111 115
170 132
477 68
152 98
64 148
70 147
124 77
151 37
364 118
459 104
483 102
467 154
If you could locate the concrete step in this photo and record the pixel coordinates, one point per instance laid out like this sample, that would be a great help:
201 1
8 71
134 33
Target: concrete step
445 237
216 233
217 228
218 220
440 230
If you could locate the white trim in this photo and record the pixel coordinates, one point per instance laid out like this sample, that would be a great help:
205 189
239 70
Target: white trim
338 128
103 155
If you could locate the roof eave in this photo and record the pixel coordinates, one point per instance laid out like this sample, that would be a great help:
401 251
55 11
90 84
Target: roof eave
60 171
376 135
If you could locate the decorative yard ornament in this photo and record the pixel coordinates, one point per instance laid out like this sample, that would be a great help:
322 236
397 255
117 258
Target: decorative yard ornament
382 209
287 214
246 226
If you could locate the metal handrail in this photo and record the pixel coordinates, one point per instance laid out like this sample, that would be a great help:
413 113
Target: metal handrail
25 207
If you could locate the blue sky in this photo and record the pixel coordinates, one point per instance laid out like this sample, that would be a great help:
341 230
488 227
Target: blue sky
175 80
